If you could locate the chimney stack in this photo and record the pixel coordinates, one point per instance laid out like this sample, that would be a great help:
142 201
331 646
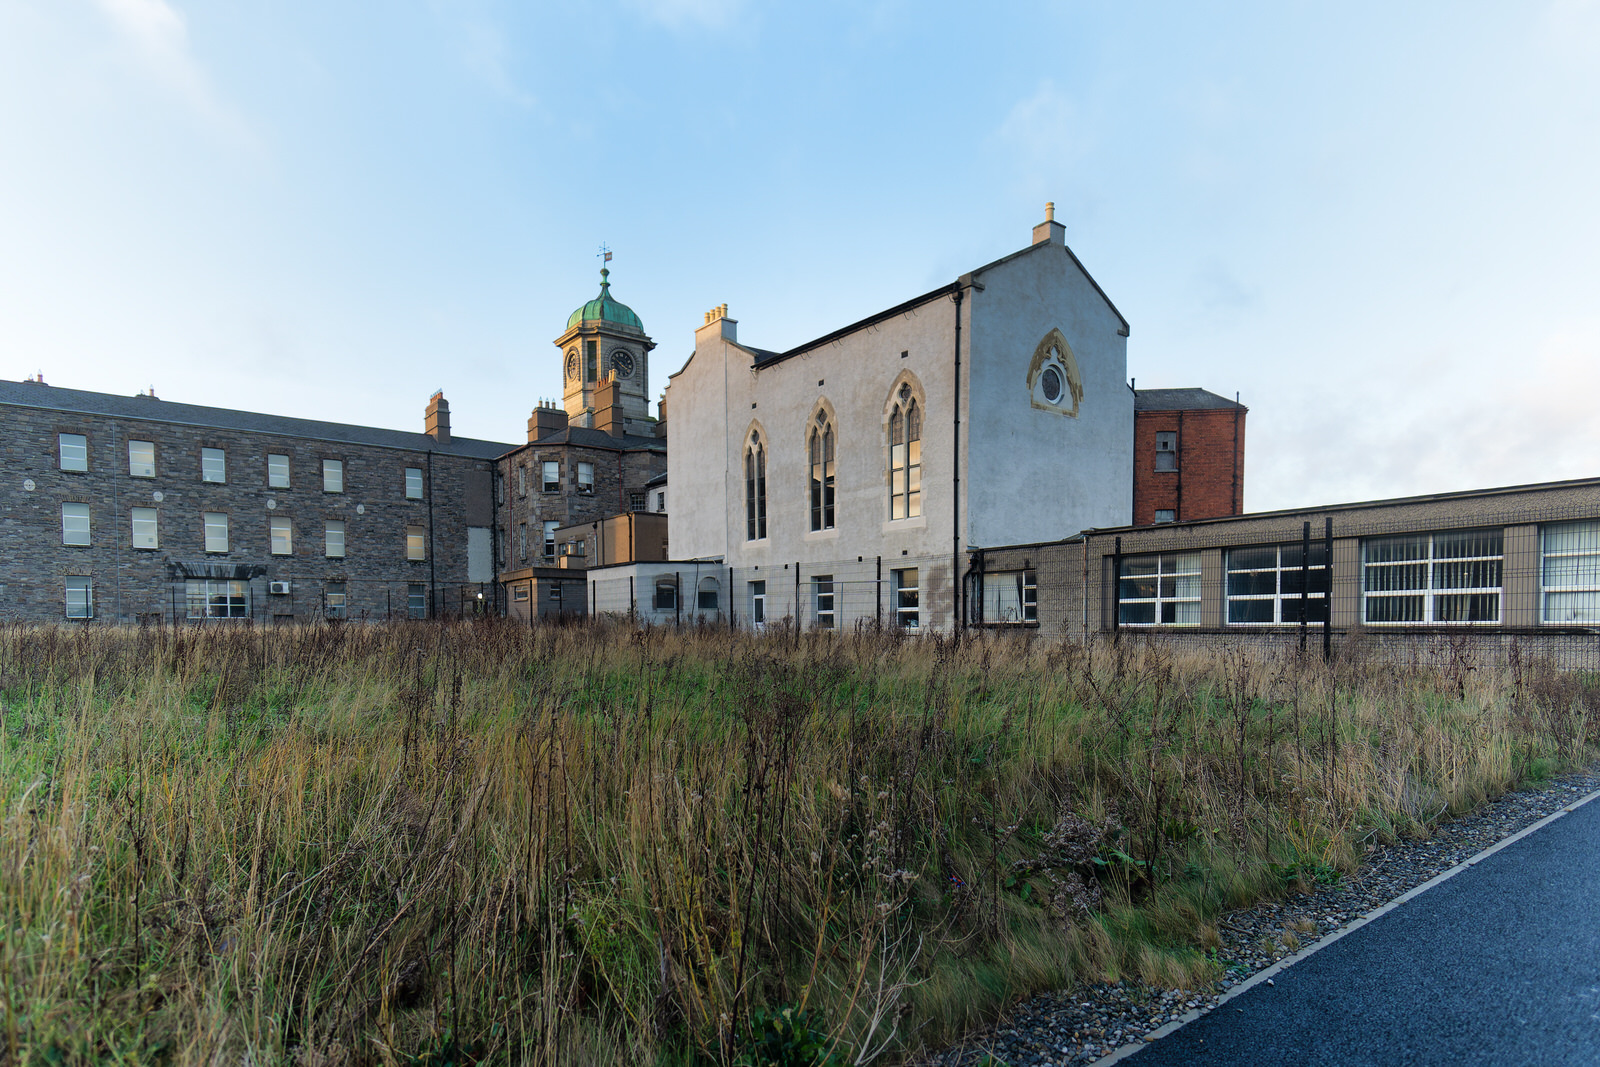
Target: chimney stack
1050 231
661 416
547 419
608 407
437 422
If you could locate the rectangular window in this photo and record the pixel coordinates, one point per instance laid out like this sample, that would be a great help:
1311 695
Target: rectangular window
522 479
1264 584
277 471
555 593
216 525
416 543
75 524
80 598
1432 578
333 602
666 598
1570 582
282 536
552 476
209 598
1166 515
74 448
550 537
413 483
637 502
1166 451
213 465
333 539
144 528
758 603
522 541
141 459
661 501
904 598
591 361
1162 590
333 476
585 477
822 600
519 593
1010 597
417 600
708 594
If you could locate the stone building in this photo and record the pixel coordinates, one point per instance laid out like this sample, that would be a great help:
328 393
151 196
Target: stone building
1188 455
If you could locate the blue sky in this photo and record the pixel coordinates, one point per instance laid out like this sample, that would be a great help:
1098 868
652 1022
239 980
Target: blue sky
1375 222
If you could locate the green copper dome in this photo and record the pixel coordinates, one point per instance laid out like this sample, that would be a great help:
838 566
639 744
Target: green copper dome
604 309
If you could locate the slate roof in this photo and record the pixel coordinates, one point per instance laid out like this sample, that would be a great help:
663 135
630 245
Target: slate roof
589 437
1180 400
51 398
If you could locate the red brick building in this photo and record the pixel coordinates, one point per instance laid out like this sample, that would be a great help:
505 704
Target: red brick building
1188 455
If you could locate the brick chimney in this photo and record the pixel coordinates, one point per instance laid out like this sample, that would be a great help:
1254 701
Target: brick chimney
608 407
437 422
1050 231
661 416
547 419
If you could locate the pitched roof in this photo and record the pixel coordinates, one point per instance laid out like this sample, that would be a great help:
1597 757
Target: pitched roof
51 398
589 437
1181 400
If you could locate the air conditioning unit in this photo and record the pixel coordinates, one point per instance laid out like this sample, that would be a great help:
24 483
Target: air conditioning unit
278 588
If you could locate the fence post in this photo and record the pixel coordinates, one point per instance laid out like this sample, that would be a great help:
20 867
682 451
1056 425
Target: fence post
878 588
633 601
677 598
1327 561
1305 580
732 620
799 620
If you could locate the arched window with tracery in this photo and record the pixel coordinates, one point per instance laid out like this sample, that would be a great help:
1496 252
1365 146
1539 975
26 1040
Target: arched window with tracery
755 488
822 472
905 456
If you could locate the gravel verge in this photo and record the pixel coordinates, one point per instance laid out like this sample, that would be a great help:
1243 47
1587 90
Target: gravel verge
1080 1025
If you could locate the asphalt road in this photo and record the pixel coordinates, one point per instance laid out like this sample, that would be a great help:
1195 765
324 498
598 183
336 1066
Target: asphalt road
1498 965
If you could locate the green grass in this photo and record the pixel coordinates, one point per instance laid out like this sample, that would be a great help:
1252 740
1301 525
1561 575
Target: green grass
483 843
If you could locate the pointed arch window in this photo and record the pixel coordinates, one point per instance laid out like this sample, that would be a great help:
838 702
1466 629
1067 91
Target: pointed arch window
822 472
755 489
905 456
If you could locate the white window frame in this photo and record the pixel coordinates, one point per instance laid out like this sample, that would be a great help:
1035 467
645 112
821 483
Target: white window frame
145 528
1582 586
215 529
277 471
905 597
550 527
75 525
72 451
1382 579
550 476
666 595
823 601
1285 600
333 475
1011 598
413 483
1166 457
1166 515
1171 588
335 600
585 477
216 598
522 541
141 459
79 593
416 543
280 536
417 600
214 466
905 457
333 538
758 603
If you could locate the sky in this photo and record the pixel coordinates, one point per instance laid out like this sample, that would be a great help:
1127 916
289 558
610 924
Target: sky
1376 223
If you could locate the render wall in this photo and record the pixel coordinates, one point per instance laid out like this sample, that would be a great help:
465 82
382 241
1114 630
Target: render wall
1033 474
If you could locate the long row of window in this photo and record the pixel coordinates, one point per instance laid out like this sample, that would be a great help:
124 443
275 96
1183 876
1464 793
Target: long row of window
73 450
1448 578
214 525
903 478
905 600
216 598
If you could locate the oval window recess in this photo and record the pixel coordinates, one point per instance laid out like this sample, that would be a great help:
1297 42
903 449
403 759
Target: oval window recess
1051 382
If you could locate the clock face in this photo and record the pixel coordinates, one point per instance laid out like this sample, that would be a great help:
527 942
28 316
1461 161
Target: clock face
572 364
622 364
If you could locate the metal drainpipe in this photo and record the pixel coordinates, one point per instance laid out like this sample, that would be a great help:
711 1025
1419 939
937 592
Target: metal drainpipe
955 469
433 573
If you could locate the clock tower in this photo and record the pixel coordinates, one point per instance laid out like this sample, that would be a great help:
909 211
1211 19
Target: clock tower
604 337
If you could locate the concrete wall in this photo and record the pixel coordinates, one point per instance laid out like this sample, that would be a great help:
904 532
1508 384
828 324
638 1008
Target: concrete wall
1037 474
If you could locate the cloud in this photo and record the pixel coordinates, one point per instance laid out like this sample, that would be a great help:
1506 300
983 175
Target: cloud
159 38
678 14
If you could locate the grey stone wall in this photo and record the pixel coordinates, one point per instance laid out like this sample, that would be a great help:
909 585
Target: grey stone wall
618 473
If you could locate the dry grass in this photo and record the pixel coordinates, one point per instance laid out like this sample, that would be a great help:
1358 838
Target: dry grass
418 844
